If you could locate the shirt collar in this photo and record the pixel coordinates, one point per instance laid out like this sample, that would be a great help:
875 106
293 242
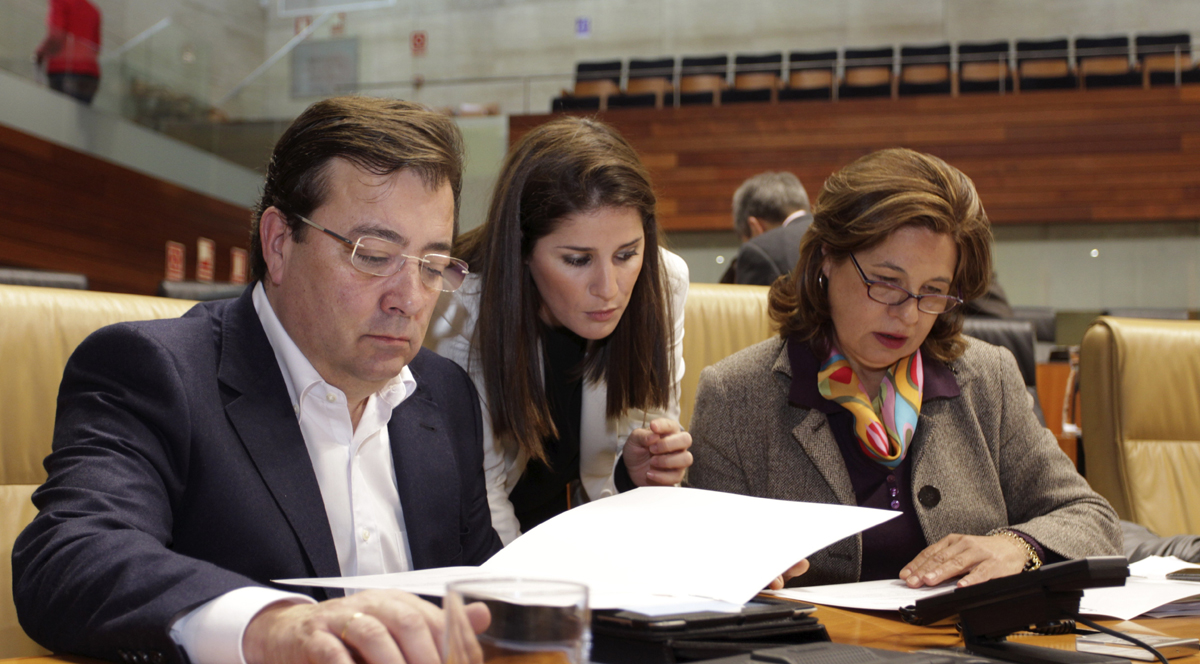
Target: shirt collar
940 382
792 217
299 374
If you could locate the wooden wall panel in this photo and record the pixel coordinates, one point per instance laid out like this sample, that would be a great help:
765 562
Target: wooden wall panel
1124 155
64 210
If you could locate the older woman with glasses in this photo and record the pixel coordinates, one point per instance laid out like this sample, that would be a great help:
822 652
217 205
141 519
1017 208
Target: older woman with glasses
871 395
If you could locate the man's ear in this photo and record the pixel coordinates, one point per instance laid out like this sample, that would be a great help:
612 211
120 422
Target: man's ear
275 236
756 226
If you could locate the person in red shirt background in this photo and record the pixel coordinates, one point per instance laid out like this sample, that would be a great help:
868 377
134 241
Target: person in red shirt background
70 48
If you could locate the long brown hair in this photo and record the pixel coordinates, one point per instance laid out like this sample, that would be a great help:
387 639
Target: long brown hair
857 209
564 167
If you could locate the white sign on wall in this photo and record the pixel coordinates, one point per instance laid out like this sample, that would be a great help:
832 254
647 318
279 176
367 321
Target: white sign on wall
314 7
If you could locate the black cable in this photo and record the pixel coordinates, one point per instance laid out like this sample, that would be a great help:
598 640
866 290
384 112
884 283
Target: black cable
1121 635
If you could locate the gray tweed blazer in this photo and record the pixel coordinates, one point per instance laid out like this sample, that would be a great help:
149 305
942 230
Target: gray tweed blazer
983 451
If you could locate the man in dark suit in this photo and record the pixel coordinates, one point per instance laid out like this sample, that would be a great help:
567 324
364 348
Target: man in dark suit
770 214
299 430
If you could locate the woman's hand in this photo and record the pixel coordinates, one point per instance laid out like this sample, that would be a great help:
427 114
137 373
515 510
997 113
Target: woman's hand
793 571
980 558
658 455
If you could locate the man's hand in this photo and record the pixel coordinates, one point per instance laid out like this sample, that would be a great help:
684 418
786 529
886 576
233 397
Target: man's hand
793 571
373 627
658 455
980 558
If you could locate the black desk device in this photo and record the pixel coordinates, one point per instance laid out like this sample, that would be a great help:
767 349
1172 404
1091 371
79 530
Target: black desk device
1044 599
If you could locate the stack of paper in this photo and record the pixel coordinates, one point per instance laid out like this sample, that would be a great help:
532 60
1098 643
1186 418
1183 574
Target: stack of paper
662 547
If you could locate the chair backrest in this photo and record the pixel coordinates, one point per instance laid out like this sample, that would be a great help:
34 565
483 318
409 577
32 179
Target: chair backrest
810 70
1164 52
925 64
660 69
39 329
704 74
597 79
719 320
1140 386
22 277
597 71
1047 58
1148 312
704 65
1019 338
1043 319
868 66
1158 44
757 72
983 61
198 290
1016 335
1102 55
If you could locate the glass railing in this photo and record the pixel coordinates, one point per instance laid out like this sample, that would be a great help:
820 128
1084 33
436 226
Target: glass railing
163 79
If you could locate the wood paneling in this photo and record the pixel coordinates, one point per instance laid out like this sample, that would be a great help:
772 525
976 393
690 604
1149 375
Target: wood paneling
1123 155
64 210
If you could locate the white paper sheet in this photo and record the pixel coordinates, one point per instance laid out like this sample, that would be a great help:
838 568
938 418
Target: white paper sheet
1145 590
685 544
885 595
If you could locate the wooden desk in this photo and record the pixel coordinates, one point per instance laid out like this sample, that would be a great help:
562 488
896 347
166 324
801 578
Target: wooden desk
884 629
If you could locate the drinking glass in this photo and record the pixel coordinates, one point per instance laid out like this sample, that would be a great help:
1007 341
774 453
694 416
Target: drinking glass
532 622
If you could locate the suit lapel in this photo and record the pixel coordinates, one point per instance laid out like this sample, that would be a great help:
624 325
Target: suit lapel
264 419
427 479
814 436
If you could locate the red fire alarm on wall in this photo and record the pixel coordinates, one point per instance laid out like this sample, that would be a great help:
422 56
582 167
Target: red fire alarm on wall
417 40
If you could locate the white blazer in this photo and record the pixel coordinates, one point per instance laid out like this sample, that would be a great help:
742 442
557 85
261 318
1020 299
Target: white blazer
601 440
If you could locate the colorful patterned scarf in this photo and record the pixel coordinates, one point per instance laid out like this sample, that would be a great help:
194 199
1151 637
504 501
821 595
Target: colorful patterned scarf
898 404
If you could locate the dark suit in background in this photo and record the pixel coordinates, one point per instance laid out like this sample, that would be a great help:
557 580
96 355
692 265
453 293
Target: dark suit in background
179 473
764 258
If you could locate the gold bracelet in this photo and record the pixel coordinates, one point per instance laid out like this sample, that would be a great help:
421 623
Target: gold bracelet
1032 560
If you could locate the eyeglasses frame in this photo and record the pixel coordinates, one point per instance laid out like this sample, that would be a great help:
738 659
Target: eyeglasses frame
354 245
954 301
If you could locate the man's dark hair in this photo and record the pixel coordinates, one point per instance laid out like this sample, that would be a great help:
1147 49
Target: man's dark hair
771 197
380 136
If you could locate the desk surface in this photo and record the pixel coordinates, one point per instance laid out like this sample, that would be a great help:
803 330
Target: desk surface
886 630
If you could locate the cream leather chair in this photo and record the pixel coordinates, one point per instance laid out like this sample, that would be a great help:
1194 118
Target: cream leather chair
719 320
39 328
1140 389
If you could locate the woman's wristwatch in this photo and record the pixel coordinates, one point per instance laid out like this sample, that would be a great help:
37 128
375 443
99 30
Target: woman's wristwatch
1032 561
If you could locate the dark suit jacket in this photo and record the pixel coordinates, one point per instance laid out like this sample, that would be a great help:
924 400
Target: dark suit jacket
762 259
179 473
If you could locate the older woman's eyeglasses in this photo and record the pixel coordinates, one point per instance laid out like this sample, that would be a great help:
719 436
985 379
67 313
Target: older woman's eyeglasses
887 293
382 258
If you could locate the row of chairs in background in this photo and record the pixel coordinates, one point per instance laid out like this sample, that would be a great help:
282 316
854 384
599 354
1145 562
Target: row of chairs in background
981 67
183 290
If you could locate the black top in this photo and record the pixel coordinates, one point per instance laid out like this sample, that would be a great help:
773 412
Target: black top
542 492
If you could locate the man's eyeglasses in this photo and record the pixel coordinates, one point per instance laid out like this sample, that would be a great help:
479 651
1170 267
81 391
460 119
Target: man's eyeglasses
886 293
381 258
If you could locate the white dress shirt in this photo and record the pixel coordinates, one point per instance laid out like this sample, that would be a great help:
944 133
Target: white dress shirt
357 478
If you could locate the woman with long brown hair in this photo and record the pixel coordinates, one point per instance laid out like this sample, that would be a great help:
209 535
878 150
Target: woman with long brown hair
571 326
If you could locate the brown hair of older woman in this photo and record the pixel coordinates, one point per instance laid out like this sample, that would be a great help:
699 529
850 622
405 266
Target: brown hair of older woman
564 167
857 209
